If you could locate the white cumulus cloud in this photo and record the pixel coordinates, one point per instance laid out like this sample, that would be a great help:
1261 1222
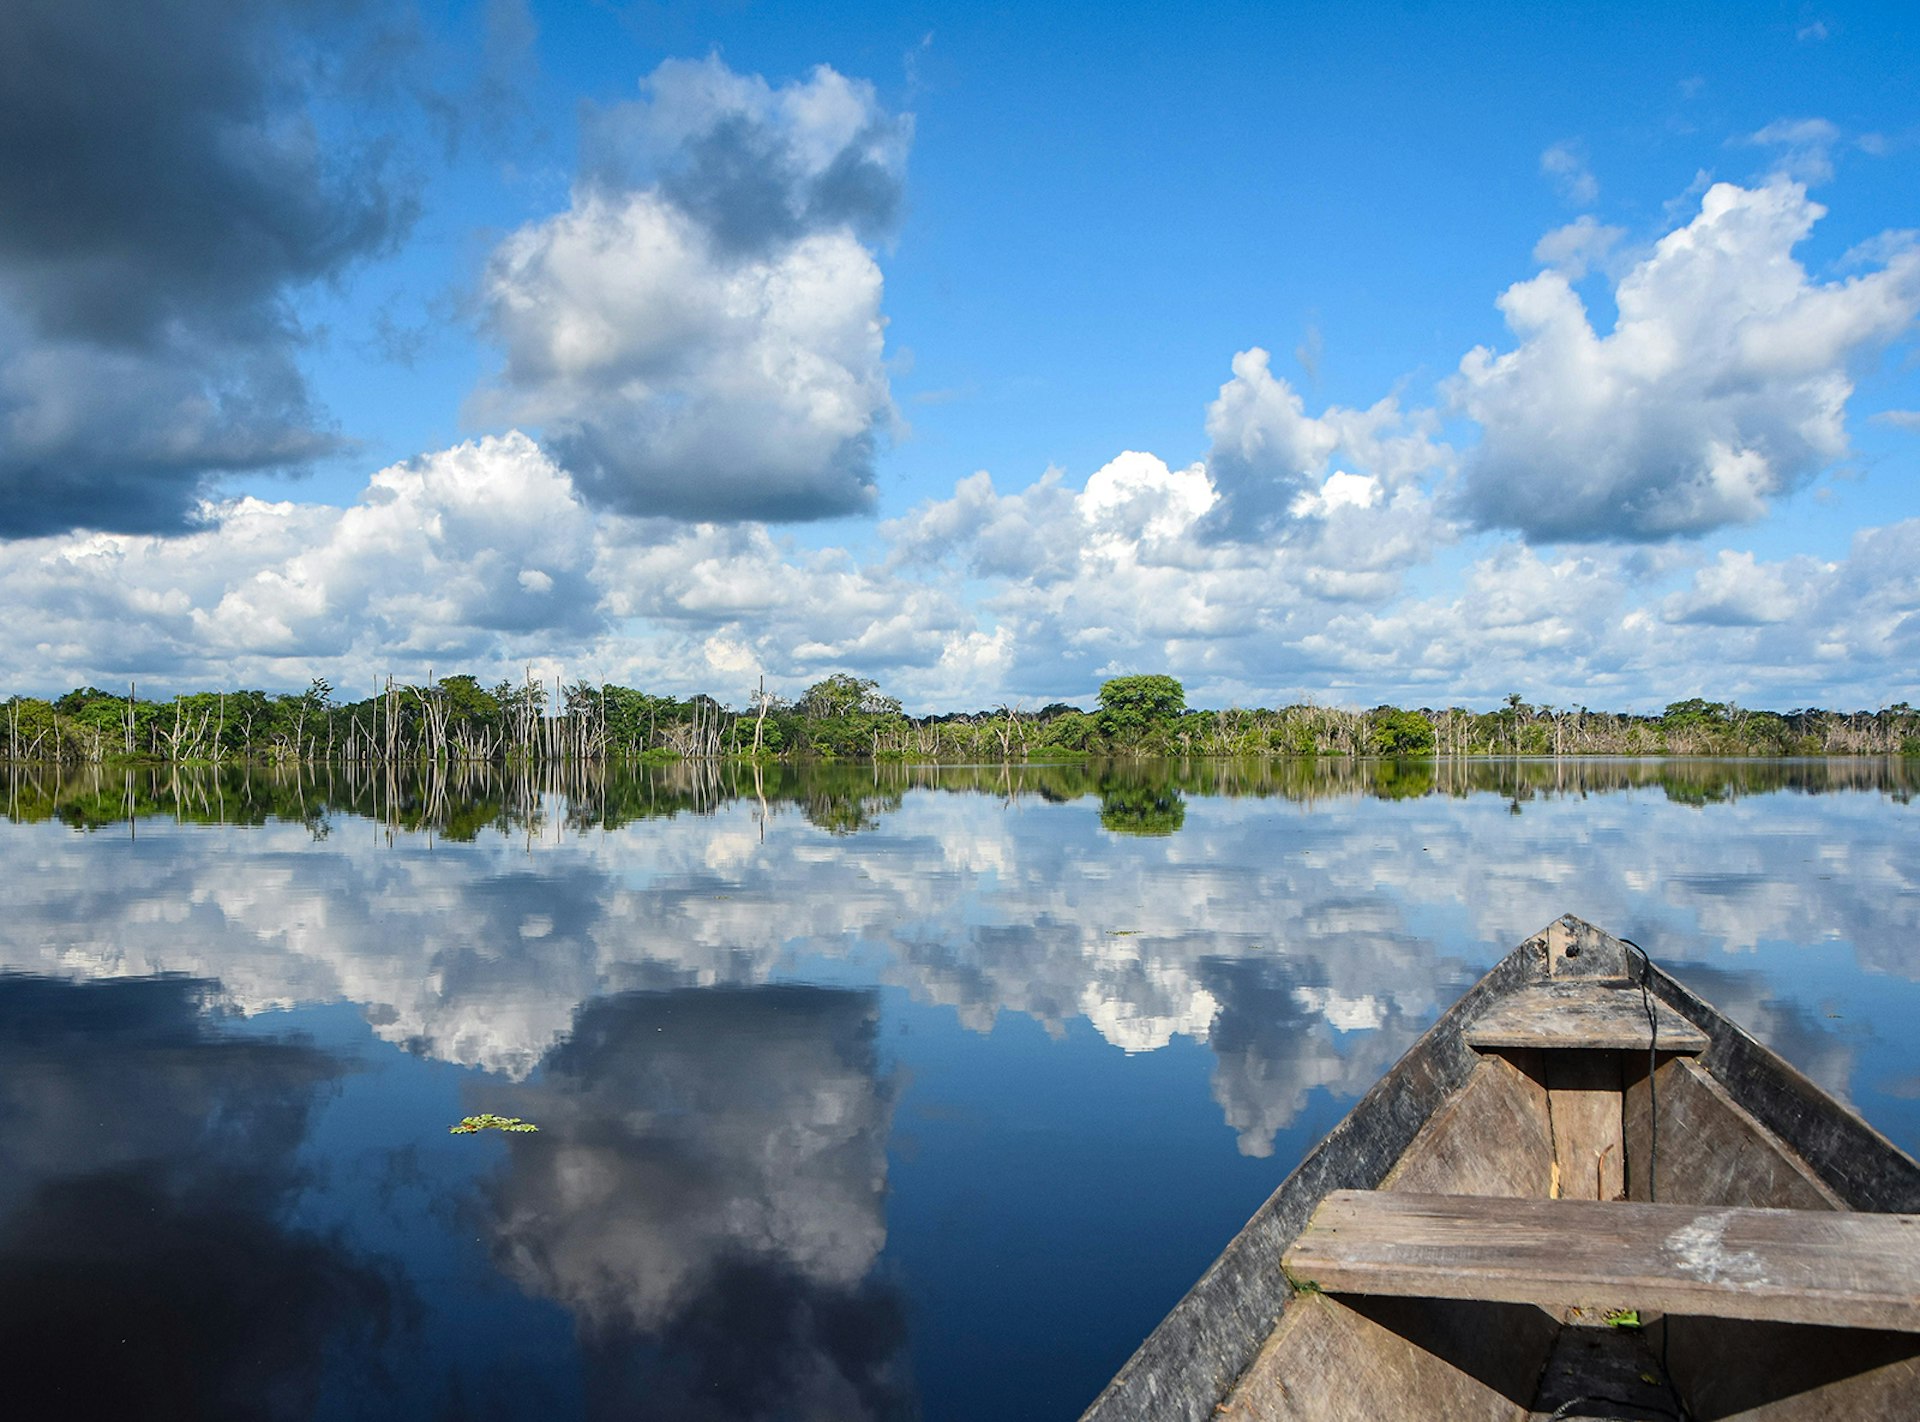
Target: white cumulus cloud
700 335
1722 385
1735 590
459 554
1268 452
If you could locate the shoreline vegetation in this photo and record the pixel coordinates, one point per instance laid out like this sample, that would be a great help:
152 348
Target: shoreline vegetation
457 721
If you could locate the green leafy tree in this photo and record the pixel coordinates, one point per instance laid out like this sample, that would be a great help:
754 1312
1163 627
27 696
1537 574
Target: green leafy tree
1067 728
1691 714
1134 708
843 694
1399 733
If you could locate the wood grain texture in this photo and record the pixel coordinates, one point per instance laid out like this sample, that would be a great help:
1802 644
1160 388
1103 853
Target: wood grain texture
1861 1166
1836 1268
1192 1360
1712 1150
1491 1139
1575 1013
1331 1362
1576 949
1589 1141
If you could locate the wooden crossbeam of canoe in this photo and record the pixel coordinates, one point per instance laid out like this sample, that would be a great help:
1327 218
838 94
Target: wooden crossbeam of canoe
1841 1268
1585 1015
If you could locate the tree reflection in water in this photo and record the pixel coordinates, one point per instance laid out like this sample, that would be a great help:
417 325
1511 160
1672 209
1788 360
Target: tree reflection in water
463 801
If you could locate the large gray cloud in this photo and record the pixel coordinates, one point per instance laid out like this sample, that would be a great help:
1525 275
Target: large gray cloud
699 335
164 187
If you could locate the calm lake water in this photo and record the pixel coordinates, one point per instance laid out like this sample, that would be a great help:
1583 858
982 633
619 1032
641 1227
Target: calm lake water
864 1093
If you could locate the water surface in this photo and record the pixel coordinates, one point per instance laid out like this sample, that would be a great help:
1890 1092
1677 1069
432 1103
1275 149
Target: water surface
865 1092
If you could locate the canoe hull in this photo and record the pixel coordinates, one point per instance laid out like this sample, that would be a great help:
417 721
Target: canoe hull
1721 1121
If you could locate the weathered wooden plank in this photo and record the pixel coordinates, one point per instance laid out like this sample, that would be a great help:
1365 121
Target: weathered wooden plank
1364 1360
1712 1150
1574 1013
1576 949
1828 1267
1491 1139
1584 1094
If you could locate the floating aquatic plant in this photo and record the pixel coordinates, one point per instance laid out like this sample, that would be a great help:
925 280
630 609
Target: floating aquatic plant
490 1122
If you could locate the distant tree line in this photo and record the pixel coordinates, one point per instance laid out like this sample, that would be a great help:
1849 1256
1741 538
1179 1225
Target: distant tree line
457 720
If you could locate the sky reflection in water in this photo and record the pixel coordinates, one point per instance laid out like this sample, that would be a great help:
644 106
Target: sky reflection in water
865 1093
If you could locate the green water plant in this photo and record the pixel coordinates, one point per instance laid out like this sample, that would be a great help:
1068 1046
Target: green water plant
490 1122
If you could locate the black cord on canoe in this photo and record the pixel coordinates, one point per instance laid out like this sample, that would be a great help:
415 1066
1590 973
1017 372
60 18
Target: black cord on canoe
1653 1062
1653 1143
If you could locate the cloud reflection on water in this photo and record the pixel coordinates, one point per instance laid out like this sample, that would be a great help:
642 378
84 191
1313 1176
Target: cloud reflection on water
706 1197
147 1162
1306 937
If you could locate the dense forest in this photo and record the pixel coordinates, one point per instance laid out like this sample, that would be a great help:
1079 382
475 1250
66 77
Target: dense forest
456 720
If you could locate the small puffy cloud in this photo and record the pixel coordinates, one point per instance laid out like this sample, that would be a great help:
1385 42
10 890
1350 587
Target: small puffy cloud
1735 591
1135 498
148 248
1269 458
753 165
1805 148
440 556
1722 386
1266 448
1899 419
1579 246
1341 491
999 536
699 335
1567 166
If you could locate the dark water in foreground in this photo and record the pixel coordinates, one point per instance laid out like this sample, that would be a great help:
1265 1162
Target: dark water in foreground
868 1093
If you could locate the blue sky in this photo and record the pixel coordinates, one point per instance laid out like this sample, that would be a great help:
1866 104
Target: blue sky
1399 352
